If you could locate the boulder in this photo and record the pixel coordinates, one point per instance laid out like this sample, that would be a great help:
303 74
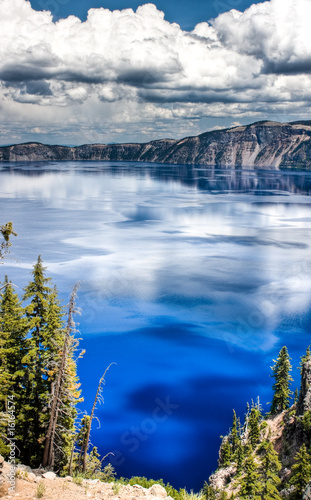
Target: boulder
307 492
158 491
4 486
31 478
49 475
23 468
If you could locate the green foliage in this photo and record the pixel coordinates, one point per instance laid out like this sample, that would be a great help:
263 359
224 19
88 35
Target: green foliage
225 453
250 485
37 387
296 395
209 492
223 495
94 468
306 423
6 232
254 426
13 331
116 488
270 466
306 357
147 483
301 471
192 495
31 345
239 456
235 433
281 387
77 480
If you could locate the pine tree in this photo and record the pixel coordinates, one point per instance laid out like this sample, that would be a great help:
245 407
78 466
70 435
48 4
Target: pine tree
235 433
254 428
281 373
270 468
38 388
13 330
296 395
223 495
6 232
250 486
306 357
225 453
239 457
209 492
65 387
301 471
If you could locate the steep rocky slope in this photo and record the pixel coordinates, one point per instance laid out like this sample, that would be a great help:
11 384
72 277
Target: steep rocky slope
262 144
287 431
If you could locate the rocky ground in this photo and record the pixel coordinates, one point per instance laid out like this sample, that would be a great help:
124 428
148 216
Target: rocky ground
38 484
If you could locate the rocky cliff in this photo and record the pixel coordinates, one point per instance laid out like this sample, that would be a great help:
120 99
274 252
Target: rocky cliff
304 401
262 144
287 432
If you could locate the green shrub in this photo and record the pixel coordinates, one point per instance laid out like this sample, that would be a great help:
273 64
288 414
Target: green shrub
306 422
147 483
78 480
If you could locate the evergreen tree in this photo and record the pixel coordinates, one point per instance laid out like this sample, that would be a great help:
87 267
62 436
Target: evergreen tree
235 433
13 330
270 468
281 373
64 388
225 453
301 471
254 427
306 357
223 495
209 492
239 457
45 322
250 485
296 395
6 232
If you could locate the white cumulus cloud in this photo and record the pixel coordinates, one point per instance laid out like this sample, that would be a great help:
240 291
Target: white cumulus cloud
131 67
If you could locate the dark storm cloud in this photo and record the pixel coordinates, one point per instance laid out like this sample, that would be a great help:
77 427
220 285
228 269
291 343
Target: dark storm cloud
24 72
287 67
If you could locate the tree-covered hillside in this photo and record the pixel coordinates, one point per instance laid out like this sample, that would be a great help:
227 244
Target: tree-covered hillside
268 457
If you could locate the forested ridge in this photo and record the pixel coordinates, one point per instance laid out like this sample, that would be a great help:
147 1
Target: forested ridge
265 457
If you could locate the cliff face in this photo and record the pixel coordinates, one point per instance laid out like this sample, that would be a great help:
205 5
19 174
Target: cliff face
287 431
304 401
263 144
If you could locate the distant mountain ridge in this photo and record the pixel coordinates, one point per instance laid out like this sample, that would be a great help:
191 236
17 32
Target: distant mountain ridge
263 144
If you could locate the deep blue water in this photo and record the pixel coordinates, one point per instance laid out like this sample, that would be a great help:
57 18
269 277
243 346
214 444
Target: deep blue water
191 281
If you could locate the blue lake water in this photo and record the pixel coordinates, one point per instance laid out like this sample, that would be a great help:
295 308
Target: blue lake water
191 281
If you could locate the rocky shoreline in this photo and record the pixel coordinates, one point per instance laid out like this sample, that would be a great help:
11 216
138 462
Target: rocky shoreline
29 483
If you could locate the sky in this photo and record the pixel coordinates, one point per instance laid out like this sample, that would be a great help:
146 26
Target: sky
75 72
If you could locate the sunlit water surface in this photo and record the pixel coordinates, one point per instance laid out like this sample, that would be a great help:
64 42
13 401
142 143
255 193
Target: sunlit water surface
191 281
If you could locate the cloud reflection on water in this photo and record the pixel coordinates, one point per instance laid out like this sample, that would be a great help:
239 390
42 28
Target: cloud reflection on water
188 287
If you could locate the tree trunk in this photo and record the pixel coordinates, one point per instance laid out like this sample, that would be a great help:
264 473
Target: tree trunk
48 454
